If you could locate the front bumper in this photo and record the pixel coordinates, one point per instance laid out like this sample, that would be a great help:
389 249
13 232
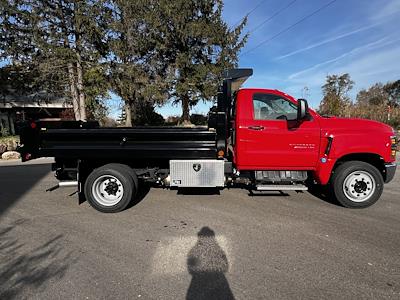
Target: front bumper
390 170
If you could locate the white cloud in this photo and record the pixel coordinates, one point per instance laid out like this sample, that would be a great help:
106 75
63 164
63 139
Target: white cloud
373 45
366 65
388 9
365 70
377 15
330 40
373 57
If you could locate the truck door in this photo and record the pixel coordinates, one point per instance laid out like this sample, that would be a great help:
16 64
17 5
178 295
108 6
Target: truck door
272 138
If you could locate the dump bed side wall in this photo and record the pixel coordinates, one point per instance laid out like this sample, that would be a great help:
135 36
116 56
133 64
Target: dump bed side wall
161 143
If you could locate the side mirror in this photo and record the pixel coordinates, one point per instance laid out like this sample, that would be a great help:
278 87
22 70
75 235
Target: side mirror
302 109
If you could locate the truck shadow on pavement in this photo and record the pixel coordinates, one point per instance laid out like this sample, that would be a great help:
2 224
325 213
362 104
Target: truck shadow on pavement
198 191
323 193
15 181
267 194
144 189
207 264
23 269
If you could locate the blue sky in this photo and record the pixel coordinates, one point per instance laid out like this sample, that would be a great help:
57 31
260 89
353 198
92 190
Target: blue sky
359 37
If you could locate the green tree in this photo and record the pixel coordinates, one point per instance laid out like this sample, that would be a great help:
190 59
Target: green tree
136 74
375 95
372 103
336 100
64 39
196 45
21 81
379 102
97 87
17 79
393 91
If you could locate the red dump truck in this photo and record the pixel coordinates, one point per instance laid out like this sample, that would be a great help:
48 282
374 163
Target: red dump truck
259 139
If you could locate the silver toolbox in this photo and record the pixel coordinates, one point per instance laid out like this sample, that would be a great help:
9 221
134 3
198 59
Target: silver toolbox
197 173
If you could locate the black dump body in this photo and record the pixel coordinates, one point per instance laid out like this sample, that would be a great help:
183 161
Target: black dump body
86 141
77 141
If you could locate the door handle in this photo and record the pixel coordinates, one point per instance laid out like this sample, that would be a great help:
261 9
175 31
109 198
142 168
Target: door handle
256 127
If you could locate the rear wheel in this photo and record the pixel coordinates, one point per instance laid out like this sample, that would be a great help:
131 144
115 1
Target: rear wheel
357 184
110 188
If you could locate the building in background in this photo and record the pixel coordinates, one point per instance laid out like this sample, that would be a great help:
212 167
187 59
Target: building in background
15 107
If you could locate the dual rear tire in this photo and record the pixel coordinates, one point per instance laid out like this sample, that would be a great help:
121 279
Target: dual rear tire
111 188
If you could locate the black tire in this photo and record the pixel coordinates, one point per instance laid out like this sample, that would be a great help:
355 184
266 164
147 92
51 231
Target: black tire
339 187
133 175
125 177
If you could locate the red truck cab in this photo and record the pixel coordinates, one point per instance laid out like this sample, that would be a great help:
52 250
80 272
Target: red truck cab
270 136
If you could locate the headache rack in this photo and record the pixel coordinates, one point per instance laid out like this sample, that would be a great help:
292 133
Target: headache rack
220 117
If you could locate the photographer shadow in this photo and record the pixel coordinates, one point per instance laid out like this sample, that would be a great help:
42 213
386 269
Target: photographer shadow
207 264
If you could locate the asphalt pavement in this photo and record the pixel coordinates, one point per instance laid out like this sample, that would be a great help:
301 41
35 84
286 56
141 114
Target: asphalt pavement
196 244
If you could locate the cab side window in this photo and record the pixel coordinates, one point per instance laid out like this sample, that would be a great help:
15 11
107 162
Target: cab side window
273 107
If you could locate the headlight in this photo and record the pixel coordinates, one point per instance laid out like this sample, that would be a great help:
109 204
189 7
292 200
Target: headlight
393 142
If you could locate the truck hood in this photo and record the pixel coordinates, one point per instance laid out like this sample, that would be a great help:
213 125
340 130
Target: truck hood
353 124
357 136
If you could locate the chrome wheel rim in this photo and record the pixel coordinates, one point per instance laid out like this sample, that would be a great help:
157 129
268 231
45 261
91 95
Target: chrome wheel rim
359 186
107 190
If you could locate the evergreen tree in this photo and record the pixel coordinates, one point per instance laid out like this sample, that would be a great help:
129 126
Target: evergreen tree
196 45
18 80
64 39
136 74
145 51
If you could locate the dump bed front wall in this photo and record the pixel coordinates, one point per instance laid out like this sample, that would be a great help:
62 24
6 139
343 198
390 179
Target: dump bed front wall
128 143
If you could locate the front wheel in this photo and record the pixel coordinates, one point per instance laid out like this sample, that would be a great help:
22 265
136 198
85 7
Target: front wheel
110 188
357 184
